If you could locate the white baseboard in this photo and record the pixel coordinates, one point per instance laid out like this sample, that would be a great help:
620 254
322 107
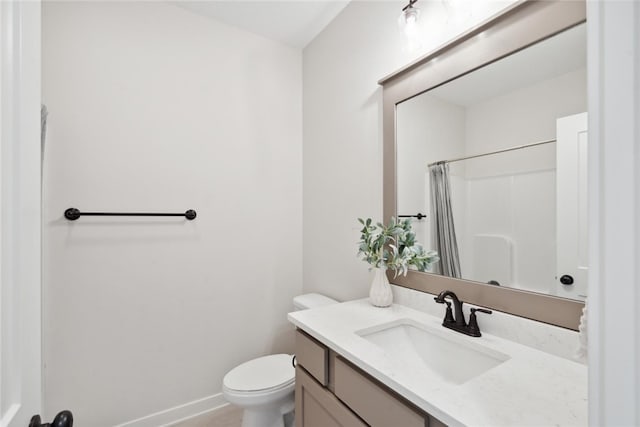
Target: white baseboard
179 413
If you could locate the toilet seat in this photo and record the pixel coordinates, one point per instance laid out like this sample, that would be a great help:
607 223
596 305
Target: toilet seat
262 375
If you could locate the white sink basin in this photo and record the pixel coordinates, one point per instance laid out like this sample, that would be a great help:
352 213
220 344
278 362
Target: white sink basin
453 359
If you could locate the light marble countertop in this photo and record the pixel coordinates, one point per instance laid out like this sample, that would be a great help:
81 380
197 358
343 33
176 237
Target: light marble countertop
531 388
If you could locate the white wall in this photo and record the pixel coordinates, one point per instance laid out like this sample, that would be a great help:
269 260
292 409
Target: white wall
342 158
153 108
428 129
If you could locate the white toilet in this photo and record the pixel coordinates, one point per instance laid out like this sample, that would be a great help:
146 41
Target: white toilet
264 387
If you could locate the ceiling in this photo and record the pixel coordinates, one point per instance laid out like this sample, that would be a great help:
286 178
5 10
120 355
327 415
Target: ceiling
294 22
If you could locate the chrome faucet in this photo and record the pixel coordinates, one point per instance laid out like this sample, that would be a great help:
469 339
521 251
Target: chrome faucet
458 323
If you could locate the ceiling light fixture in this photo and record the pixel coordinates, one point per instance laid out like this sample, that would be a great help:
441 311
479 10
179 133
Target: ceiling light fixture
408 24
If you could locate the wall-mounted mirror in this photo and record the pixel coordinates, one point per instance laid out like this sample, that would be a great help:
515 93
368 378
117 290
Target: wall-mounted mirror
496 159
487 137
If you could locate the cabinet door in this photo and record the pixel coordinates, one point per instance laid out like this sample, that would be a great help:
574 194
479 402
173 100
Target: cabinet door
313 356
318 407
371 402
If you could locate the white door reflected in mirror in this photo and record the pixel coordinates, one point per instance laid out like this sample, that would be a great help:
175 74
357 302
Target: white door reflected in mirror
571 205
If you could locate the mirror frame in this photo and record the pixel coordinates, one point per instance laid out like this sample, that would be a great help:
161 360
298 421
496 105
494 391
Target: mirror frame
519 26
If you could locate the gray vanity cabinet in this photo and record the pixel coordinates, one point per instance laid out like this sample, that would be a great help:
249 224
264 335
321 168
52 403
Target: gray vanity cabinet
331 392
316 406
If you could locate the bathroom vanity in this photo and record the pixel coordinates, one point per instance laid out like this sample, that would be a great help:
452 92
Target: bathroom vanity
330 391
359 365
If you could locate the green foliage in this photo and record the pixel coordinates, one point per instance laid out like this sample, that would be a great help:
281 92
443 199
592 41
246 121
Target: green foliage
393 247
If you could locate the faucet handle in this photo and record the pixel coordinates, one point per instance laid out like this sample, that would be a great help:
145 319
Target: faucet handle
474 329
448 317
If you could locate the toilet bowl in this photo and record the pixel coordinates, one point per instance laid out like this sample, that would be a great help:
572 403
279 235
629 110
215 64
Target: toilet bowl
264 387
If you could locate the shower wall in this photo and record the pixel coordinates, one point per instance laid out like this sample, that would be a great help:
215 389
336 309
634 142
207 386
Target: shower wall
511 197
153 108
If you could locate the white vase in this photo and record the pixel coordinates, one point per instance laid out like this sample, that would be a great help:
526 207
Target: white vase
380 294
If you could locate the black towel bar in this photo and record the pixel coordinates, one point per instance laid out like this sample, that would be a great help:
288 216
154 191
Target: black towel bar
418 215
72 214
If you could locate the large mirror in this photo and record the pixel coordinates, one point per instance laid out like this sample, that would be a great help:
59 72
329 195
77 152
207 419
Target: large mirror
496 159
486 136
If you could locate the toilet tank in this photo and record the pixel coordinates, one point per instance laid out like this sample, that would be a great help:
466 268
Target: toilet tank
306 301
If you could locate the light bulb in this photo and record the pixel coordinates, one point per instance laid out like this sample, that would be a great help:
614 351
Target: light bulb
411 14
408 22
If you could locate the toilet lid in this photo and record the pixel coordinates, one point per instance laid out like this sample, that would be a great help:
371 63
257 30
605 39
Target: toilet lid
262 373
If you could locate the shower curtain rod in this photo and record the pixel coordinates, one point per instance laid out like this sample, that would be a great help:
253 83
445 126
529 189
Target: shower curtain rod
533 144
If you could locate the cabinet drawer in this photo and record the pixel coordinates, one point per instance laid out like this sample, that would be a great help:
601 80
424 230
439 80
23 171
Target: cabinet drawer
375 405
318 407
313 356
